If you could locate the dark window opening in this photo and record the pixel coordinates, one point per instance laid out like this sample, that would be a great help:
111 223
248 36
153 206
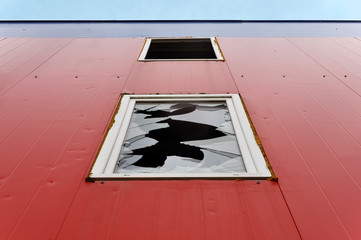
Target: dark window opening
181 49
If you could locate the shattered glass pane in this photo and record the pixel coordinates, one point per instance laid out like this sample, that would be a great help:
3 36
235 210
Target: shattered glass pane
180 137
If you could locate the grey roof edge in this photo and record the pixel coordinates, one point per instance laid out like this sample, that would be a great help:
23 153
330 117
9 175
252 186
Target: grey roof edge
180 21
178 28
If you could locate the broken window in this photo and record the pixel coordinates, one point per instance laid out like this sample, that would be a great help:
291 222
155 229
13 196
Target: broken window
165 49
179 136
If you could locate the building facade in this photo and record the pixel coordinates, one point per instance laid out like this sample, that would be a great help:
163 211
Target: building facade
61 83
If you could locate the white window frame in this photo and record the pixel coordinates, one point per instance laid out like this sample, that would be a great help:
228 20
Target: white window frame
254 161
215 46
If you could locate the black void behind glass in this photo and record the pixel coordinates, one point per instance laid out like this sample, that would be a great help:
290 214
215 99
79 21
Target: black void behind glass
181 49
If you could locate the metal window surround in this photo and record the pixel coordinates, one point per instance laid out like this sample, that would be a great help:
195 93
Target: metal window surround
114 149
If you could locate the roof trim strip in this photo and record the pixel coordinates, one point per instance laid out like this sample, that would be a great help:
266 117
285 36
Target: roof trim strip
180 21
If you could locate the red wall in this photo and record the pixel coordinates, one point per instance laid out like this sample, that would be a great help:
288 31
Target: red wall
58 96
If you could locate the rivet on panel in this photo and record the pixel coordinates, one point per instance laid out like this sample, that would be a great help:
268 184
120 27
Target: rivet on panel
324 76
36 76
241 75
117 76
345 75
76 76
284 75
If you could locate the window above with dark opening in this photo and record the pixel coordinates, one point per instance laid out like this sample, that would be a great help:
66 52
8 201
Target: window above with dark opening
166 49
180 136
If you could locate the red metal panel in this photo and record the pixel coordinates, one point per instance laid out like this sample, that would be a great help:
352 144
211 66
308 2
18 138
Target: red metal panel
52 127
308 132
47 153
342 62
54 124
19 103
16 63
9 44
179 210
180 77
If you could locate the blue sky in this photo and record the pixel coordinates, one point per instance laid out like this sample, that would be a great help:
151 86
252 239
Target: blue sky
180 10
